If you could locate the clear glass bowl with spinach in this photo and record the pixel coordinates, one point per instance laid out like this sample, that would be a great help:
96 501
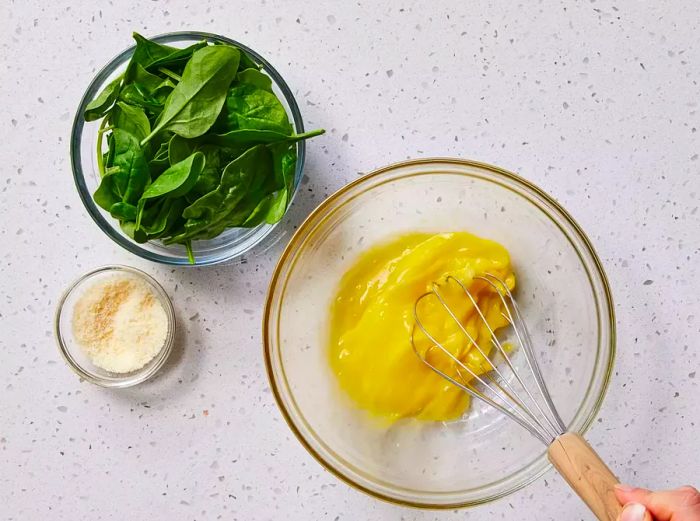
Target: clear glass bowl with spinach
188 148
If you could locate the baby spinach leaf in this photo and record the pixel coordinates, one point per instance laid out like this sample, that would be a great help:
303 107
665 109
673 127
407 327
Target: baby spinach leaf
165 215
148 52
278 207
159 162
195 103
123 211
150 87
179 149
130 118
256 78
162 152
264 208
170 74
150 82
176 180
248 62
137 95
163 90
250 107
211 174
279 188
104 101
178 57
130 169
147 212
128 227
211 209
106 194
284 160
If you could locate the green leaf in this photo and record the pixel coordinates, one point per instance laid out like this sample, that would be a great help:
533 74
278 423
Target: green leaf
144 78
256 78
163 152
103 102
247 61
130 118
123 211
179 149
163 90
146 89
285 160
195 103
137 95
270 209
250 107
165 214
278 206
213 166
159 162
128 227
148 52
236 217
130 169
178 57
212 209
106 195
177 180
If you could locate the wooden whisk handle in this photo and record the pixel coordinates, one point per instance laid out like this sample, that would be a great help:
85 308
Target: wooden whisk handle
586 473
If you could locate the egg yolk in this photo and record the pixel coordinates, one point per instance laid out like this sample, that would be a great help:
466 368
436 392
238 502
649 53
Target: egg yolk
372 320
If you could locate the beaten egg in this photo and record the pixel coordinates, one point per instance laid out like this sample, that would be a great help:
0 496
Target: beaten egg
372 322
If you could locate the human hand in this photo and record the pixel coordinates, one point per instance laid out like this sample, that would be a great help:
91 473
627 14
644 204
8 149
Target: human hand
640 504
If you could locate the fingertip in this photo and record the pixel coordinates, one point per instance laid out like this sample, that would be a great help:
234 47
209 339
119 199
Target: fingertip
635 512
628 493
622 491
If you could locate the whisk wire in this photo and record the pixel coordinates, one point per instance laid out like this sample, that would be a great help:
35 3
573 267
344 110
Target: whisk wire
513 414
501 349
531 425
513 393
525 342
505 398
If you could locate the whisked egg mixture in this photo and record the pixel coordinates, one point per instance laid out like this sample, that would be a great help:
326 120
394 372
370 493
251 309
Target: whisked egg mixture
372 320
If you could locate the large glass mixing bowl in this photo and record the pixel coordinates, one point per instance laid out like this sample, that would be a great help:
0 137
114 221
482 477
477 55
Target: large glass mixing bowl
562 292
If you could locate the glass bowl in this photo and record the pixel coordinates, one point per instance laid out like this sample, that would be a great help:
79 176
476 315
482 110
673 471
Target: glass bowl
233 242
74 355
562 292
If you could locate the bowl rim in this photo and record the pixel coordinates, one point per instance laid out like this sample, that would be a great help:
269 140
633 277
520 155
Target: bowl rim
129 379
300 234
77 131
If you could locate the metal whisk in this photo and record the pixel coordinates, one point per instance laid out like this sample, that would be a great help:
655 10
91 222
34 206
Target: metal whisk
532 409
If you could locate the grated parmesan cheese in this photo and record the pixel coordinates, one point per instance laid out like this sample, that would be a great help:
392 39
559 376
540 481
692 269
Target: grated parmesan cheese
120 324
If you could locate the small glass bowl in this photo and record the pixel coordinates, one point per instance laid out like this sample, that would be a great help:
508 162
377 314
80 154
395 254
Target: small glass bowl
233 242
74 354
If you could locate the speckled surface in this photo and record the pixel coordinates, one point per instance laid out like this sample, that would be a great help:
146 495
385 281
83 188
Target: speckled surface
597 102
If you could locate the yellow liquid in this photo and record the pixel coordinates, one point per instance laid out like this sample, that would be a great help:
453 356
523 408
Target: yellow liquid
372 318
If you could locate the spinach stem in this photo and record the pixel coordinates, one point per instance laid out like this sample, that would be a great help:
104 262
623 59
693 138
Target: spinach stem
190 253
169 73
306 135
100 133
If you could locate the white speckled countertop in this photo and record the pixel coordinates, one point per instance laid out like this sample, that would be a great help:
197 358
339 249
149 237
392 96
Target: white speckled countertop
595 101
